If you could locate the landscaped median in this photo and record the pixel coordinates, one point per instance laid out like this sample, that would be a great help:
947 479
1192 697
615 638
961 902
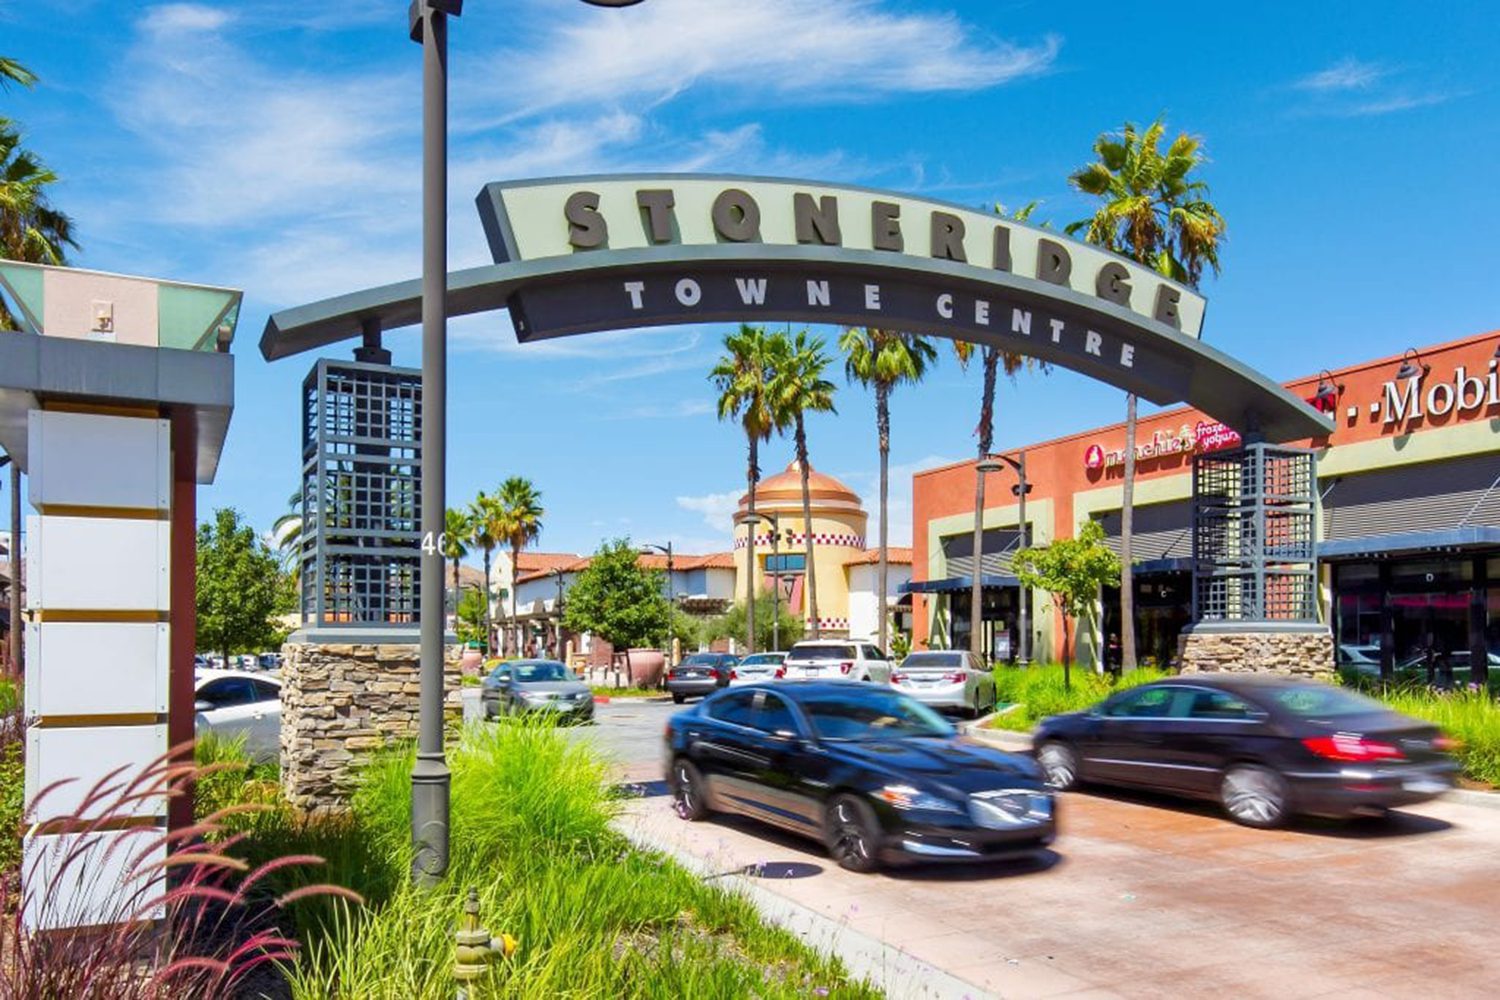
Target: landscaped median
1470 716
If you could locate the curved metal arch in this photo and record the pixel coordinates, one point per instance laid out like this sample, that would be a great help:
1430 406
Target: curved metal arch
587 292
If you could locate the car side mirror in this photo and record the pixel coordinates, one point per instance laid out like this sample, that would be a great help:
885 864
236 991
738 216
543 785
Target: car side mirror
203 706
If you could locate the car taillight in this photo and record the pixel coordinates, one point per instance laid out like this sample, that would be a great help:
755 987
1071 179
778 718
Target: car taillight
1352 747
734 675
780 672
1444 744
846 666
898 678
672 674
954 678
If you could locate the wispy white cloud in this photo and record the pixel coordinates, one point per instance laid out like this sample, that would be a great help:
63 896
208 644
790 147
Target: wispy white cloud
1351 88
669 411
1346 74
854 50
717 509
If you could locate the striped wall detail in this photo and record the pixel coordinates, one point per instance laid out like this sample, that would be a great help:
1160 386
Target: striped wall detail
796 539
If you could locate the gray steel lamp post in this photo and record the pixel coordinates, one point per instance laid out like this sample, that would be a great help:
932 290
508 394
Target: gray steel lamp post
430 780
671 587
775 523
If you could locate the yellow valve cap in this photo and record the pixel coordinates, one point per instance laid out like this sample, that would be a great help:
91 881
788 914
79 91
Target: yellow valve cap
505 945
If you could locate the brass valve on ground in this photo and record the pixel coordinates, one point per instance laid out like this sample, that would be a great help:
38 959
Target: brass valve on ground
476 948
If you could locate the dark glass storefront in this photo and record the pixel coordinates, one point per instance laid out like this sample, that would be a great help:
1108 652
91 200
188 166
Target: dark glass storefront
1163 606
1434 617
999 621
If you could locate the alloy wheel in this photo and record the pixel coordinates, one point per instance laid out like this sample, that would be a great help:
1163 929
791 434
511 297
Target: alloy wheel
687 797
1059 765
850 839
1254 796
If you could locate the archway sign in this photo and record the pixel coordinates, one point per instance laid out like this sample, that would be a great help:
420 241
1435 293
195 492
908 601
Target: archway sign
577 255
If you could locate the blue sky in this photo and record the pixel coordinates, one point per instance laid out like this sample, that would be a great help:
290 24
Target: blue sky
273 147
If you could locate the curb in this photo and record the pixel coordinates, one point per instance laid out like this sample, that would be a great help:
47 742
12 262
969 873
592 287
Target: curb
654 699
894 972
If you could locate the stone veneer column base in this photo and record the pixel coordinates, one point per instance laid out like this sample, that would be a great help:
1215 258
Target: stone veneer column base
1263 647
340 702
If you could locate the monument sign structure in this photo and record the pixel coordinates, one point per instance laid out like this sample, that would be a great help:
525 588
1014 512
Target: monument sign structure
582 254
115 398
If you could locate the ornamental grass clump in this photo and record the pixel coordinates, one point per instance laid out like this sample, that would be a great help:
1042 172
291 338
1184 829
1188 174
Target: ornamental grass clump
1041 691
1470 716
595 917
138 912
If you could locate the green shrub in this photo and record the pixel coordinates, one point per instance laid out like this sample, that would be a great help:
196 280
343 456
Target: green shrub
1039 691
12 776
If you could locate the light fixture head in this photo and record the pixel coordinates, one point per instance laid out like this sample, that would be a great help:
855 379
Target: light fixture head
612 3
1412 365
989 465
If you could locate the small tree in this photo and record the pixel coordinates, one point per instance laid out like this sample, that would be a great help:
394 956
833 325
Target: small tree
240 586
1072 570
469 615
618 600
788 627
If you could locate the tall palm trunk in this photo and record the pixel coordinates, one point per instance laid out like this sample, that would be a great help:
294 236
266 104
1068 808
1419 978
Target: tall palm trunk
489 626
752 525
810 572
1127 516
986 442
515 625
883 429
455 593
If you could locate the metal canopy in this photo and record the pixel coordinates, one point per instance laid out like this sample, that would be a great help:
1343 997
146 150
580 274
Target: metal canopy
955 583
1401 542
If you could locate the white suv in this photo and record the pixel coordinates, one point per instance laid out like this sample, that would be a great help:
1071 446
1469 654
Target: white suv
837 659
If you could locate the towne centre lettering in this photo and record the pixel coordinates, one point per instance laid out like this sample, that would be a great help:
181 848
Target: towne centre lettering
576 255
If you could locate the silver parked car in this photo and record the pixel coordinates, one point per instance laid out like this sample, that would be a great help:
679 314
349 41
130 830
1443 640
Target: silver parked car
758 668
837 659
518 686
232 704
951 678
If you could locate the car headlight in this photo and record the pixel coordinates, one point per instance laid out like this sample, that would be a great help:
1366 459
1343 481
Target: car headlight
907 797
1007 807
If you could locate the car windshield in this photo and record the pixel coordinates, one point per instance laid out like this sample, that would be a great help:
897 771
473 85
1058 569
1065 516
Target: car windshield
934 660
822 652
762 660
543 671
1323 701
871 715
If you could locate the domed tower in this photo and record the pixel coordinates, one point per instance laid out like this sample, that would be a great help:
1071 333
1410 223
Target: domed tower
838 533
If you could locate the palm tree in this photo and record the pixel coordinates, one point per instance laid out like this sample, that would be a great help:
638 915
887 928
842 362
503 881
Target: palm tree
286 533
1155 211
457 533
13 72
882 359
485 533
798 388
742 375
31 230
519 525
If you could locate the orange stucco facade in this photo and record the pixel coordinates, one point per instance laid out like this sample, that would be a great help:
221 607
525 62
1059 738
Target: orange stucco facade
1378 416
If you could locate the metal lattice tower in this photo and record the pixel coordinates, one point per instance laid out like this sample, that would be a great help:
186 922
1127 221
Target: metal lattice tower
361 499
1254 551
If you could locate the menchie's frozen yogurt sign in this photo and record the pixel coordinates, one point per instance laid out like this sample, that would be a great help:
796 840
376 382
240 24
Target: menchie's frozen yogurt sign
1205 435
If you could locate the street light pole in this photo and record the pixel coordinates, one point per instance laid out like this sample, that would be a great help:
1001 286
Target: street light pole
671 595
1022 488
775 523
430 779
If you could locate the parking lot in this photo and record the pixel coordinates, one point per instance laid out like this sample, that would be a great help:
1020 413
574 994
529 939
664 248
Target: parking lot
1147 897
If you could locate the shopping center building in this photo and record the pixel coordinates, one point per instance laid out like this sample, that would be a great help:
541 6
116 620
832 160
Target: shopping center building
1408 525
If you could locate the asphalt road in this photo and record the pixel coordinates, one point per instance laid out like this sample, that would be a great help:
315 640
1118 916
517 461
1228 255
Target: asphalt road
1143 896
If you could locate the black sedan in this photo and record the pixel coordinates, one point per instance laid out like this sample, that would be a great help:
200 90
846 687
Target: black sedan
700 674
876 776
542 686
1264 747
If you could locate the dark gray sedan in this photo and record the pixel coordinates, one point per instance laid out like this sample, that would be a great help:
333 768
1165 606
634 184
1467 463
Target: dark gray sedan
699 675
536 686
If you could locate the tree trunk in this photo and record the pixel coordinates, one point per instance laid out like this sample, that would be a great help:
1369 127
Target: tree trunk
809 572
515 626
1067 652
883 428
488 625
455 595
986 442
752 473
1127 517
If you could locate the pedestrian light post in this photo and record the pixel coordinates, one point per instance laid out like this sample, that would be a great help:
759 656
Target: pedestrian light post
775 523
1022 487
430 779
666 550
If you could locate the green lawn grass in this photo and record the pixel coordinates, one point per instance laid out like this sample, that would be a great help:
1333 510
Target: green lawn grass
12 776
627 692
1039 690
531 833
